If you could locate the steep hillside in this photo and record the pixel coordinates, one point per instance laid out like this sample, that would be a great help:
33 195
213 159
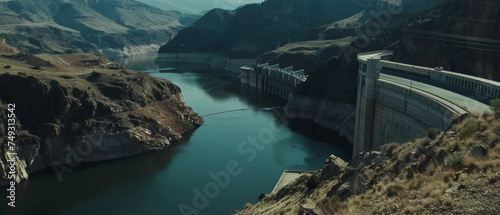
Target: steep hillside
377 16
256 28
460 35
109 27
136 15
348 26
456 172
196 6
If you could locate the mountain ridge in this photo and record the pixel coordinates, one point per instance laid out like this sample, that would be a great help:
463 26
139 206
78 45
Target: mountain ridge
255 29
106 27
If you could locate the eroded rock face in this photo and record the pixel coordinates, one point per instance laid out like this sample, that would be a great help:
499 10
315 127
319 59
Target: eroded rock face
334 166
336 116
64 120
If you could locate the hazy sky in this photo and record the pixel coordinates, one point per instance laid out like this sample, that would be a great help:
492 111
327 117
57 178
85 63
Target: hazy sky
196 6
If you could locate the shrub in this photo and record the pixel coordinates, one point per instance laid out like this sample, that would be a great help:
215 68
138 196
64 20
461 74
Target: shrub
495 106
313 182
393 189
94 76
455 161
432 134
330 205
370 174
436 194
7 67
389 148
468 130
410 209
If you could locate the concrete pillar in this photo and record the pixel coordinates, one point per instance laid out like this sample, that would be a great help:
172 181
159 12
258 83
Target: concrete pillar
253 79
245 76
365 107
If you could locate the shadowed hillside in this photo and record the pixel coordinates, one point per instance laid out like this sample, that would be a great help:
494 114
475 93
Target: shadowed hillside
460 35
254 29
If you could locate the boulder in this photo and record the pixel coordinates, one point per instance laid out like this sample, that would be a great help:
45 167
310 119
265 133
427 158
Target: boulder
334 166
262 196
478 150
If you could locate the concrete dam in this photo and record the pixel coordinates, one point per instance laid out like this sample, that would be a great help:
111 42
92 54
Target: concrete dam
272 79
399 102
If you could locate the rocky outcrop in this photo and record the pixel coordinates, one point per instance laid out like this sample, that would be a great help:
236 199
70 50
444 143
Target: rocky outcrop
66 119
304 55
450 174
215 60
332 115
130 50
333 166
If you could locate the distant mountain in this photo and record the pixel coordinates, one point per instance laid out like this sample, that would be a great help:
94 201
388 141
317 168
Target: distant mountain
198 6
254 29
110 27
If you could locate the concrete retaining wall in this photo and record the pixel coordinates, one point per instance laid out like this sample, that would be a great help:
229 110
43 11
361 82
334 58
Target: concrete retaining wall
402 116
274 82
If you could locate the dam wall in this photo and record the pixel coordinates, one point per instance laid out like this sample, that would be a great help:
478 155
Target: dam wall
397 102
272 79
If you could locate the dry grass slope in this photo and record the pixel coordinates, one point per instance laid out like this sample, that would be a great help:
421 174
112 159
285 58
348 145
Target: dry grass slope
456 173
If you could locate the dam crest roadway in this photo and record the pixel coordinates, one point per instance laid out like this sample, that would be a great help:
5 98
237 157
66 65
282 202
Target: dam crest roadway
399 102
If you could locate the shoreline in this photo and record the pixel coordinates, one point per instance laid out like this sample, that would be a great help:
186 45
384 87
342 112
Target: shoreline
103 112
215 60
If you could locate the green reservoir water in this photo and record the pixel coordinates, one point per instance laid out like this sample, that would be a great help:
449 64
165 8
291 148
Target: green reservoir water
251 147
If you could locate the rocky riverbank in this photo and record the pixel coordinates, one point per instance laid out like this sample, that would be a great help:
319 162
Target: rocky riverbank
327 114
215 60
83 108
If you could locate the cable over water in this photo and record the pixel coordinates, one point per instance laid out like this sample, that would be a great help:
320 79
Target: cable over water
242 109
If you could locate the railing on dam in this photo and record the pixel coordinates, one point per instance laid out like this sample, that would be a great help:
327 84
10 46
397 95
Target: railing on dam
273 79
399 102
485 89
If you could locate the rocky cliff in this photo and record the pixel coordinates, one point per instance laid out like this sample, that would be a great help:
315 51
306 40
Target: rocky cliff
90 109
332 115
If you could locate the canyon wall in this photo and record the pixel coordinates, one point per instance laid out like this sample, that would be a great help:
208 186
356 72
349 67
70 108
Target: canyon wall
332 115
67 119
